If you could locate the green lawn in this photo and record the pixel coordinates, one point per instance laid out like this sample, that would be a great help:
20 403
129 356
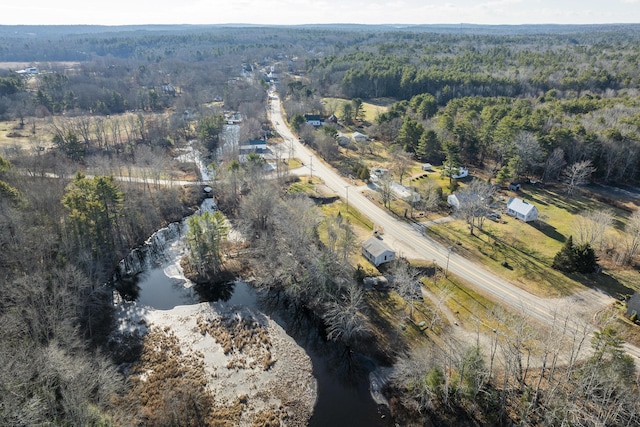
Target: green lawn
529 248
371 110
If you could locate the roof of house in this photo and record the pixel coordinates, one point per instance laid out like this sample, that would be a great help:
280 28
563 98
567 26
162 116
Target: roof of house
255 142
520 206
358 135
634 303
312 117
376 246
463 196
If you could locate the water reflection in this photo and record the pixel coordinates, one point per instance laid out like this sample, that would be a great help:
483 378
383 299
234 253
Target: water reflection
128 287
344 398
215 291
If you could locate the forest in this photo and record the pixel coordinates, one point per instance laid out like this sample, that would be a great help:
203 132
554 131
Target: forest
113 104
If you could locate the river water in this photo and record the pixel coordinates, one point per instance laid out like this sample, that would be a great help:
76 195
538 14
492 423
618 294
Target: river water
152 276
344 398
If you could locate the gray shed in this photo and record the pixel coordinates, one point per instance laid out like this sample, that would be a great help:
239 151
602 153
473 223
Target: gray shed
377 252
633 305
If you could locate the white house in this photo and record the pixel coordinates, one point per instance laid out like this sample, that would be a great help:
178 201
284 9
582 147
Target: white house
456 199
29 70
314 120
407 194
522 210
462 172
377 252
359 137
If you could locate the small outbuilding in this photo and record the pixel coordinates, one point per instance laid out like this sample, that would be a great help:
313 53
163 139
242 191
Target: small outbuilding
522 210
377 252
462 173
633 305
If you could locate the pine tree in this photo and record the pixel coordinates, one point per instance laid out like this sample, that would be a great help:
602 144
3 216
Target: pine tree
585 259
572 258
564 260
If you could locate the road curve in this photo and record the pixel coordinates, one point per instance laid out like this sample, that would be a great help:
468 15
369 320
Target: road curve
410 242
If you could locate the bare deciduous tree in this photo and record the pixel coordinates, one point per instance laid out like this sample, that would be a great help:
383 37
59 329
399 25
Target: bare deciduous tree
430 195
590 227
579 173
529 151
474 201
401 163
345 318
632 236
385 189
554 164
406 283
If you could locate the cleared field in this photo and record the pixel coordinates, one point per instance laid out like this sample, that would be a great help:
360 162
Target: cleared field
523 252
371 107
35 133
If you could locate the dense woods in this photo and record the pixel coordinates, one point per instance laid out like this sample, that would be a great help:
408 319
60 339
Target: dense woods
540 103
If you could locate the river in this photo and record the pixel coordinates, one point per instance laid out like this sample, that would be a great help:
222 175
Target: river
152 276
343 389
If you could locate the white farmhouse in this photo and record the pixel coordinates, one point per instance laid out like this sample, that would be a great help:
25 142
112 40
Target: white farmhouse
359 137
456 199
314 120
522 210
377 252
461 172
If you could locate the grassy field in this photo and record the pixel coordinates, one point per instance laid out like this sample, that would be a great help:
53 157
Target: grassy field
371 108
34 133
529 248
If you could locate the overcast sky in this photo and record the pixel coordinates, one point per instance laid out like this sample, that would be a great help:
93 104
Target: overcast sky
124 12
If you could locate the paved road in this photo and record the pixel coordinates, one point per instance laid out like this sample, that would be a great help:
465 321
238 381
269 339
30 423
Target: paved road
410 242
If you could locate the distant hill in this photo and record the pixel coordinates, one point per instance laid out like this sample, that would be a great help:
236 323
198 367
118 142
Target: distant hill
48 31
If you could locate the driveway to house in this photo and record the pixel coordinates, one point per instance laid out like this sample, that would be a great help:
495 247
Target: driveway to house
409 242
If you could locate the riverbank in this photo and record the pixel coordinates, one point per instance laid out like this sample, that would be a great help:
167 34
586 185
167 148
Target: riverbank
243 355
248 369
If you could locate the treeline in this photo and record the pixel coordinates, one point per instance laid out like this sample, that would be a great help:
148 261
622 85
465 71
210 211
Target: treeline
517 138
532 376
60 241
278 222
452 66
120 72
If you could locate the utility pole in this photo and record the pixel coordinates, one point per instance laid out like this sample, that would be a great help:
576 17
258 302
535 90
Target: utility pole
347 187
311 166
449 250
435 272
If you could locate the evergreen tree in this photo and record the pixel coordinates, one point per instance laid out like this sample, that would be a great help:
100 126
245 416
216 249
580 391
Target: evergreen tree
209 129
585 258
94 206
297 121
504 175
409 134
428 146
452 160
564 260
572 258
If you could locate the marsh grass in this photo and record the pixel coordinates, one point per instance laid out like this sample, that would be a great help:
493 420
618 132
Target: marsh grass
244 339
